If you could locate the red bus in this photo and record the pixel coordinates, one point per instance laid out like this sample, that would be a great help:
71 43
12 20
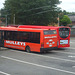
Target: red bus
63 34
28 39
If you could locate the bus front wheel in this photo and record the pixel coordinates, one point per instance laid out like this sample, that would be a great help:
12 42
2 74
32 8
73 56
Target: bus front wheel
28 49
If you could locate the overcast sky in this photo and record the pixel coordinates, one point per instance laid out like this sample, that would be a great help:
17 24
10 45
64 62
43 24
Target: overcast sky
68 5
1 3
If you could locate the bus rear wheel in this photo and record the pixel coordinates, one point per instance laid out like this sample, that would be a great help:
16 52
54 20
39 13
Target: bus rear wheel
28 49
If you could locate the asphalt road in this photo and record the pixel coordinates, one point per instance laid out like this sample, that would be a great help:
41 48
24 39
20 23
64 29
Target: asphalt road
56 62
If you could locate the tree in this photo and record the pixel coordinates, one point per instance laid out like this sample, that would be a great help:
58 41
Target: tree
39 12
65 20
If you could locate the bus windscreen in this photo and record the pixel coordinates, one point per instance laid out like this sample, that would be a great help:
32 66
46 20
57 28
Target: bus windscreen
64 32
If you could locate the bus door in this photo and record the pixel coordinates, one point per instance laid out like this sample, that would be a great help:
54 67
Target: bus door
1 38
50 38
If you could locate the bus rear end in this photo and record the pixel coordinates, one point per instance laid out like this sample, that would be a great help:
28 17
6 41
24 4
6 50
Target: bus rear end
49 40
63 37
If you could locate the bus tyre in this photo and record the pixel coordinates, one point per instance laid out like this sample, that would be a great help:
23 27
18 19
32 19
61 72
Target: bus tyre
28 49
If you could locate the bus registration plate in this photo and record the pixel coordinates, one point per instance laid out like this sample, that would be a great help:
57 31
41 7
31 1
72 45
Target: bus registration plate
63 41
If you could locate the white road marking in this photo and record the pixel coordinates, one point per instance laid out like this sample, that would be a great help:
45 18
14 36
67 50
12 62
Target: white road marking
73 66
65 52
4 73
72 42
42 66
46 56
72 48
72 56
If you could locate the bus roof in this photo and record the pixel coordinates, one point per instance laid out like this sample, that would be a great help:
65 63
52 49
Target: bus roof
41 27
20 29
37 27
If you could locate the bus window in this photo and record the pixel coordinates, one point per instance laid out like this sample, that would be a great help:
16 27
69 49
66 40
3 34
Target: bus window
0 35
10 35
47 32
64 32
33 37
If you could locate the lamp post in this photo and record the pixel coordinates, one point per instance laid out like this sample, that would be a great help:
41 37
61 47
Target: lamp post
6 20
14 20
0 13
58 20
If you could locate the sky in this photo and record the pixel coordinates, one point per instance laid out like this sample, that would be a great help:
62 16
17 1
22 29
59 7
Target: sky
1 3
68 5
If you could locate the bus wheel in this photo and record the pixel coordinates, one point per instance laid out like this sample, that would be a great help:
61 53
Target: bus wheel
28 49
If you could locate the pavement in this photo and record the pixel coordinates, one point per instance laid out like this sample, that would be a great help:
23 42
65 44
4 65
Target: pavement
55 62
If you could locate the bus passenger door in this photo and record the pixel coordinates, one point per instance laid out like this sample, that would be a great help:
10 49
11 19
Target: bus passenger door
1 38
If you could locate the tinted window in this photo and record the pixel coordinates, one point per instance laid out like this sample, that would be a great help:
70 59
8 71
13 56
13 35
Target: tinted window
33 37
50 32
64 32
10 35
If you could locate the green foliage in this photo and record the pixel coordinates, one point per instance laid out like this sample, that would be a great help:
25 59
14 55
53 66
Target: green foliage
65 20
39 12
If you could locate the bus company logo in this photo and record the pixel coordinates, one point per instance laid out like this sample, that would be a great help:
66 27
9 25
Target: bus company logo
50 43
15 43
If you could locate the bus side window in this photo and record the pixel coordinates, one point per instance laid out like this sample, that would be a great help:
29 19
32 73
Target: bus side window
25 36
10 35
0 35
7 35
34 37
